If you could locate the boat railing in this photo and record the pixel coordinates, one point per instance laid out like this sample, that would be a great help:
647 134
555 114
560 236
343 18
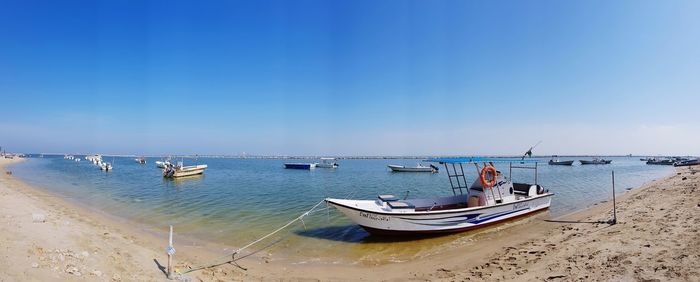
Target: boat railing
456 184
458 180
522 166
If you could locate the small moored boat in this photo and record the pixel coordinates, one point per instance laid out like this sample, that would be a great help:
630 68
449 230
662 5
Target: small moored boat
328 163
660 161
595 161
687 162
105 166
140 160
417 168
556 161
162 164
300 165
179 170
492 198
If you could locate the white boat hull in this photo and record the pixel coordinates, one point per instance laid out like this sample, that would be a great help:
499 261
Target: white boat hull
409 221
399 168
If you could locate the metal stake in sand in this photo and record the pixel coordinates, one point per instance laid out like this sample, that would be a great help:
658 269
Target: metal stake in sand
614 221
171 252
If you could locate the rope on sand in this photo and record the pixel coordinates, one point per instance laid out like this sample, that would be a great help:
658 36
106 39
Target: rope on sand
217 261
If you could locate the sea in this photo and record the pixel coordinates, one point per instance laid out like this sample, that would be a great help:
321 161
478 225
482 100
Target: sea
239 200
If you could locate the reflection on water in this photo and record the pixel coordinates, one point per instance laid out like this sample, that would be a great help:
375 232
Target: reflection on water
182 181
239 200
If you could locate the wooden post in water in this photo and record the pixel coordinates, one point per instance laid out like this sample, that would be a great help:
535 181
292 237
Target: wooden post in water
614 221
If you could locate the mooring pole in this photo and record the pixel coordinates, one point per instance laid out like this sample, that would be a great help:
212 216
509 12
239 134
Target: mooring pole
614 221
171 252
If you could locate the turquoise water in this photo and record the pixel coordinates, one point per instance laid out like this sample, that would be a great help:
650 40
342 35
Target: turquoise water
238 200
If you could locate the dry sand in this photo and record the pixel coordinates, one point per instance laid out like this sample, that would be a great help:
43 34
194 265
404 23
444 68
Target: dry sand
656 239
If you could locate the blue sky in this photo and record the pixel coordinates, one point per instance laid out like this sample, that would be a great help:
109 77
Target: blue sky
350 77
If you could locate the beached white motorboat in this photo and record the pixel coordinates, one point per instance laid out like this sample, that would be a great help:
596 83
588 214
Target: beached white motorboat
328 163
489 200
179 170
417 168
687 162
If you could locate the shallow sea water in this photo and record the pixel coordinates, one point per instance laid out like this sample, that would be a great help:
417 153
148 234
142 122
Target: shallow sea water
239 200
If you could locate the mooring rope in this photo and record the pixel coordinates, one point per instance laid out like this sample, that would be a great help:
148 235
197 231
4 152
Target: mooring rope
232 255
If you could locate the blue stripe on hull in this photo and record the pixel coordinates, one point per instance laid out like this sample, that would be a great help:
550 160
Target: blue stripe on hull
297 166
471 218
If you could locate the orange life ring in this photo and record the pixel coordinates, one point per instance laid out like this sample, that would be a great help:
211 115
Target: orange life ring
482 176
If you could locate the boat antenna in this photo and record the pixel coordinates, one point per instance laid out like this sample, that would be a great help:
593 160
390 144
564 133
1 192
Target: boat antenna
529 152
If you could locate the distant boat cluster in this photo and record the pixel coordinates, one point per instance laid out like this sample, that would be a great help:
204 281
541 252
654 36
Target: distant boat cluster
169 170
674 161
94 159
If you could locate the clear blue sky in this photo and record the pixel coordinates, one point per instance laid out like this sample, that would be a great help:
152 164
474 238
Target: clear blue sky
350 77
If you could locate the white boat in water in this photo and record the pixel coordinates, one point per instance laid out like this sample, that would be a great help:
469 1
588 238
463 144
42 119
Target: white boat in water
162 164
328 163
94 159
417 168
180 170
492 198
595 161
556 161
105 166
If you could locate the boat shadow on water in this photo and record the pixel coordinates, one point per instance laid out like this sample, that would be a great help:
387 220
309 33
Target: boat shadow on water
352 233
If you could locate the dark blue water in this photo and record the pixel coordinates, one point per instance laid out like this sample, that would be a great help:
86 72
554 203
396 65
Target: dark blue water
237 200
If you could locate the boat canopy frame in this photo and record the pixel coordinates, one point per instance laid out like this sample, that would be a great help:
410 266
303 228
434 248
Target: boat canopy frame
457 174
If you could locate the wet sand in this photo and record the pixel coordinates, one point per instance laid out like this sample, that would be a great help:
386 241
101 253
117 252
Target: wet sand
656 238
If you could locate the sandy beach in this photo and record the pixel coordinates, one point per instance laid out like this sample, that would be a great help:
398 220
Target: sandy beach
47 238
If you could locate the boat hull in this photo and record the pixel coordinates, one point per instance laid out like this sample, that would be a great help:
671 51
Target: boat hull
584 162
443 221
660 162
561 162
299 166
398 168
188 173
687 163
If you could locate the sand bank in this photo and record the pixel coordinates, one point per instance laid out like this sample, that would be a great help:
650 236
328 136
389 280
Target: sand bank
47 238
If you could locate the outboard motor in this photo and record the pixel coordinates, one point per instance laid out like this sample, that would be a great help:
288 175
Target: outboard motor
169 170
